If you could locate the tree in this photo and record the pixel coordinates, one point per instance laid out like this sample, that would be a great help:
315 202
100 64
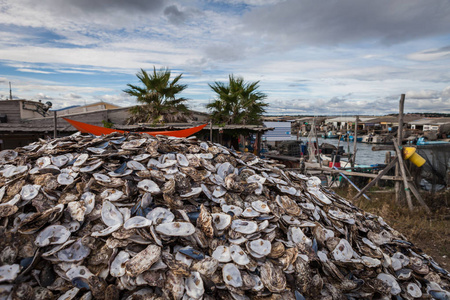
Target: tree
237 102
157 97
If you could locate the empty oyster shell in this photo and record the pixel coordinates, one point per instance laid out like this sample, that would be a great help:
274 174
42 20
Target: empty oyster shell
222 254
259 248
175 228
221 221
245 227
194 286
53 234
149 186
231 275
75 252
391 282
137 222
160 215
238 255
9 272
343 251
118 264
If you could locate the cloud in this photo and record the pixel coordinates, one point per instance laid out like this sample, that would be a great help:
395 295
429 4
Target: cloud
431 54
174 15
34 71
297 22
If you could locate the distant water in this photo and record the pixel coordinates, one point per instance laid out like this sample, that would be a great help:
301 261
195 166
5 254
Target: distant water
364 155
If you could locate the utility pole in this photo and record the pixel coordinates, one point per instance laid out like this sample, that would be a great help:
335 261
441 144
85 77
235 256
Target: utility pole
10 91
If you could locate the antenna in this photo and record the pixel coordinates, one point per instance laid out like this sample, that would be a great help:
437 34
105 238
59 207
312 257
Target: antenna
10 91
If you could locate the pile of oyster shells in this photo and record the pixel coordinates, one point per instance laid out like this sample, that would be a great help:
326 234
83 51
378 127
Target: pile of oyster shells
142 217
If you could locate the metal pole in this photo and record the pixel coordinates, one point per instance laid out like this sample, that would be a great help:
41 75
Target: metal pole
10 91
55 124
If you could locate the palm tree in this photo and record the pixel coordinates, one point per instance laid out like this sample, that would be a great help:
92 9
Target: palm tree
237 102
158 98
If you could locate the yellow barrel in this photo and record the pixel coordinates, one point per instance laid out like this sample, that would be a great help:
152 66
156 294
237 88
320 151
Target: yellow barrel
410 153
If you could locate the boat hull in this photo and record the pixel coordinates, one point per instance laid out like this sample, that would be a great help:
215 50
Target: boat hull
97 130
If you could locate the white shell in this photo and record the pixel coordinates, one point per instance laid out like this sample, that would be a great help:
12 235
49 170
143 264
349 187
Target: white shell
194 286
343 251
221 221
391 281
79 271
296 235
231 275
65 179
60 160
219 191
160 215
370 262
118 264
182 160
261 206
413 290
111 195
91 167
149 186
51 235
81 159
89 201
135 165
9 272
238 255
75 252
176 228
222 254
111 216
29 191
250 213
194 192
137 222
44 161
101 177
245 227
236 210
259 248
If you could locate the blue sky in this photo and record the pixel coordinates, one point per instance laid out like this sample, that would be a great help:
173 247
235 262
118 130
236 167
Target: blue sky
311 57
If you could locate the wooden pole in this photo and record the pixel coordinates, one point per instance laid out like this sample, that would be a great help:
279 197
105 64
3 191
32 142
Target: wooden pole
210 131
398 189
403 173
55 124
355 137
372 183
337 150
317 143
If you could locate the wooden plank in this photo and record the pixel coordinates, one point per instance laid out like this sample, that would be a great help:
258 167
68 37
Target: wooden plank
383 148
380 175
369 175
403 173
354 185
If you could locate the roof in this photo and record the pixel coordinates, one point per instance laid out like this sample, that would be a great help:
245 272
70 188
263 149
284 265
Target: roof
176 126
393 119
431 121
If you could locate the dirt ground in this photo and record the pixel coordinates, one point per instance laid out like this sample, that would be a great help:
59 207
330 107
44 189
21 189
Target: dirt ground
429 232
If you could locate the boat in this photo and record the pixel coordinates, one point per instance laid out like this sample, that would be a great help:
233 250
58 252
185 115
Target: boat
330 135
422 141
97 130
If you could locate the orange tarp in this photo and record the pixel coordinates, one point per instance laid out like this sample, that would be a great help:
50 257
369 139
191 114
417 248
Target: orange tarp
97 130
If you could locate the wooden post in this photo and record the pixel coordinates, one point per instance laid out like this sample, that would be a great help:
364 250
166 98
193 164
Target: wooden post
355 137
210 131
317 143
337 150
398 188
403 173
55 124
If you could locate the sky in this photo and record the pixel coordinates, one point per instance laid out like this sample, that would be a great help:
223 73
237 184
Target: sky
310 57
